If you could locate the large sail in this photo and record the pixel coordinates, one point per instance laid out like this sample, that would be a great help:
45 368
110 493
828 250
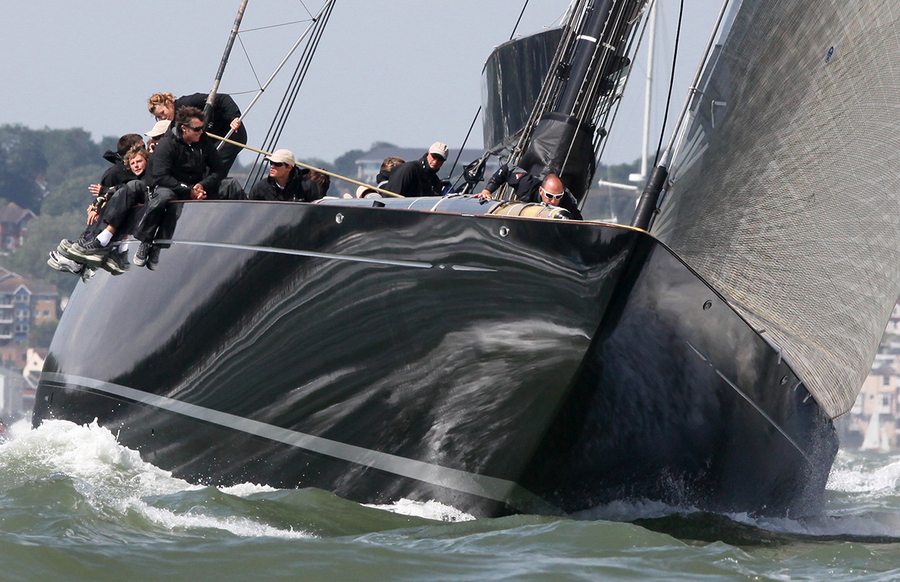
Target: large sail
784 192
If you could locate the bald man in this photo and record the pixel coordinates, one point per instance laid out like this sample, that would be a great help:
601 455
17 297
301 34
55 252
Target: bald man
529 188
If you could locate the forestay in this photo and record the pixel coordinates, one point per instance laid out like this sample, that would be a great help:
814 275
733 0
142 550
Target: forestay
785 187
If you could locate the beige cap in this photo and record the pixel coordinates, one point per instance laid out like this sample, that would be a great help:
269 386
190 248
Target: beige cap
283 157
439 149
161 127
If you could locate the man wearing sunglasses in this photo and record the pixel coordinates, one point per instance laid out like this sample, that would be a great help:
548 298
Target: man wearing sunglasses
186 166
286 181
530 188
419 177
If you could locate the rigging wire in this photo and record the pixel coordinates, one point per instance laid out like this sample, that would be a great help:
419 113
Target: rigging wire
519 20
671 84
288 99
552 84
608 118
249 61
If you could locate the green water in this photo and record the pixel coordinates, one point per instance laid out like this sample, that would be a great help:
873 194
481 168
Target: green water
75 505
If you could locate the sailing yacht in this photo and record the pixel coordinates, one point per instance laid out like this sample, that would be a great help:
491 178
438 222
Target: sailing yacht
500 359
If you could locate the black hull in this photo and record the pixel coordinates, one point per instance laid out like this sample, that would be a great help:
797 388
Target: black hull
495 364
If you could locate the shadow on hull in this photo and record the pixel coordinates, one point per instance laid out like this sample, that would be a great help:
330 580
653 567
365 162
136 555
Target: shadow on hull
496 364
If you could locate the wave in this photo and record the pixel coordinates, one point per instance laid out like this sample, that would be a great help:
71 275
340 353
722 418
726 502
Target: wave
102 485
93 476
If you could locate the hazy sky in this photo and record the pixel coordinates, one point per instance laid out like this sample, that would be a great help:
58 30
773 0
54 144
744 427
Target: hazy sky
402 71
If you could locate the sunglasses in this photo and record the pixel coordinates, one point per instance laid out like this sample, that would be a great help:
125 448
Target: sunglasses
198 128
438 158
552 196
277 164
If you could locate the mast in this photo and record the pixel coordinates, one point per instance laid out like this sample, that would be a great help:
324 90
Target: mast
575 97
564 137
211 98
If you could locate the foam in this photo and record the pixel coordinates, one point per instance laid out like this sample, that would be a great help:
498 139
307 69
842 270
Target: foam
426 510
111 476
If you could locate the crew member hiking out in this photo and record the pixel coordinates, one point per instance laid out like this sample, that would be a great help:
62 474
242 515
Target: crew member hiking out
186 166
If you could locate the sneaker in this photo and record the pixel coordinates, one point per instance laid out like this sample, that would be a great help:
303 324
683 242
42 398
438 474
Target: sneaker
116 262
65 246
153 258
140 257
87 273
66 265
91 252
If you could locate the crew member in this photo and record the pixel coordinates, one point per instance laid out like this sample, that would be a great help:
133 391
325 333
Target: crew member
225 116
419 177
285 181
185 166
530 188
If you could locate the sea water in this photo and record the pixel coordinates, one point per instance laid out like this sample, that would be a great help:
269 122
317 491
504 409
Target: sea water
76 505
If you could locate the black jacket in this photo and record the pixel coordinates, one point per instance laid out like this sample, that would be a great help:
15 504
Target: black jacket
415 178
382 178
526 186
298 188
178 166
115 176
223 112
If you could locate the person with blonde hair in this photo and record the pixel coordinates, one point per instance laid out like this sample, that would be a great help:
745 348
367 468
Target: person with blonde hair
107 215
225 116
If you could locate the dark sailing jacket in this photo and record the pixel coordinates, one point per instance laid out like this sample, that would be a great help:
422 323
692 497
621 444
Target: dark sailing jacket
296 189
382 178
526 186
223 112
415 178
115 176
178 166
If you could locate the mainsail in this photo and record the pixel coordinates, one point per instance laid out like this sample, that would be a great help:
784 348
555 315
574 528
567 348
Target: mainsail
784 191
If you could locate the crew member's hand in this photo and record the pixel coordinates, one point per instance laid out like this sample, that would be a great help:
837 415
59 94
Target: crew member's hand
484 194
198 192
236 123
92 215
94 189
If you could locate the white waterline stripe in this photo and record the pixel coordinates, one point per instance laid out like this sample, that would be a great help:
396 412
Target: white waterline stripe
463 481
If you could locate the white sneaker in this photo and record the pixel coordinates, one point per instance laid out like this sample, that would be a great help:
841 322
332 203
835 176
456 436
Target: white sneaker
61 263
